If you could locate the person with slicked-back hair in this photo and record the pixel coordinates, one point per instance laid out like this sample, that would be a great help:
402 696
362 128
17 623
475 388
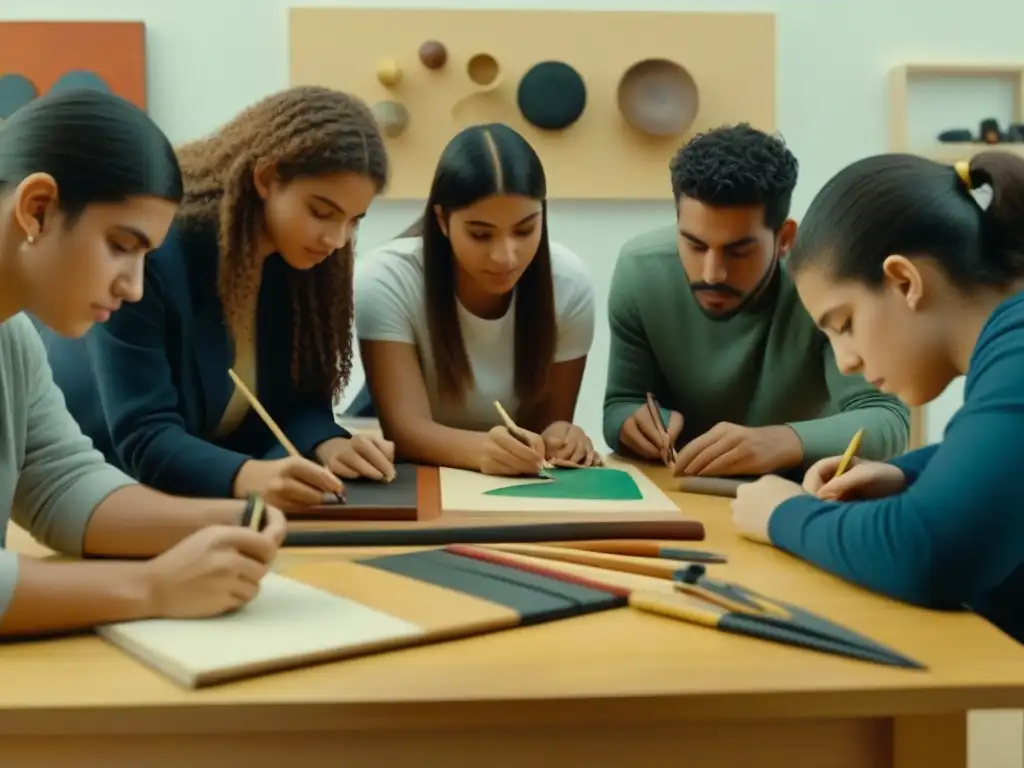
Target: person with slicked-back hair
472 305
255 278
88 185
915 271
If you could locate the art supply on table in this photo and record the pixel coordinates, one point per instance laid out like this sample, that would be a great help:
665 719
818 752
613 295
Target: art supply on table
711 486
655 410
644 566
640 548
368 500
282 438
418 535
254 514
519 434
329 611
752 614
620 489
851 451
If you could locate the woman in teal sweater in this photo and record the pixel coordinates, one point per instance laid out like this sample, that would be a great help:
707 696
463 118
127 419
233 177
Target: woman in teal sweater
915 270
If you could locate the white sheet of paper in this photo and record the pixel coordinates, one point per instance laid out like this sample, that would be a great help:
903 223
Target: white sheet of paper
287 621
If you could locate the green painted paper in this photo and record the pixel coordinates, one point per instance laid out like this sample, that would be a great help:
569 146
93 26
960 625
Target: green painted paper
589 483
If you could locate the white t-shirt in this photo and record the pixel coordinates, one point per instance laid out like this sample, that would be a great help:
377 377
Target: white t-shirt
390 306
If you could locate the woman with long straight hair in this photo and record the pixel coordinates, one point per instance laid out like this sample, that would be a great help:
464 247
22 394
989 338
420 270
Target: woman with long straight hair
88 186
472 306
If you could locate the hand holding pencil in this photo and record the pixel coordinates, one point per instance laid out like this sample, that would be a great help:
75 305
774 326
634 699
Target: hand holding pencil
512 451
841 478
291 483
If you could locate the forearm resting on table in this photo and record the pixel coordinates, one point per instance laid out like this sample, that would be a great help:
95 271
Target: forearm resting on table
424 441
56 597
137 521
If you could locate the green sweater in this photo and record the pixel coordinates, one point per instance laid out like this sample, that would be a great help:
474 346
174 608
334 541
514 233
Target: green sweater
768 365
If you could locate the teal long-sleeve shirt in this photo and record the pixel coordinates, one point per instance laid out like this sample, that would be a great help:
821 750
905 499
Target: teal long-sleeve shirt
766 366
954 537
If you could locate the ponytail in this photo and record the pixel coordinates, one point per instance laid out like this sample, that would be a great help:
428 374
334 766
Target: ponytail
996 181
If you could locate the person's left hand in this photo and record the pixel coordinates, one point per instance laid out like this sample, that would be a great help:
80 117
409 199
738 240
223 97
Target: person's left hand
732 449
755 503
369 456
566 444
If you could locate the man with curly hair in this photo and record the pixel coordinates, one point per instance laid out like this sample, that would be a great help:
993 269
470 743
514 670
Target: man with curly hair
704 316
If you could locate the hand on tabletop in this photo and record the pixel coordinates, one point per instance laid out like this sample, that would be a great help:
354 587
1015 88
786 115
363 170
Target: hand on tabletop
504 454
567 445
291 483
369 456
641 434
732 449
755 503
215 570
861 480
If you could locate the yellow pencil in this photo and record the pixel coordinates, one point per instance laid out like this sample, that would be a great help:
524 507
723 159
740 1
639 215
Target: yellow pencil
675 607
851 451
517 432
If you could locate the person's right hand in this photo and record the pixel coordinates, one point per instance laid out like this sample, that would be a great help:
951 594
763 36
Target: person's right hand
643 436
215 570
503 454
862 480
290 484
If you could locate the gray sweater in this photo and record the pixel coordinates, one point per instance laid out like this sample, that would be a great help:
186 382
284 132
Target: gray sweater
51 477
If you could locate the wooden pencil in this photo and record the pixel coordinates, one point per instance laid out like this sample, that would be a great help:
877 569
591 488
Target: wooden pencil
673 607
643 566
517 432
641 548
851 451
655 410
282 438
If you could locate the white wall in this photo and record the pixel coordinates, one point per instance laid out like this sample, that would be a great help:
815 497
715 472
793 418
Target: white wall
209 58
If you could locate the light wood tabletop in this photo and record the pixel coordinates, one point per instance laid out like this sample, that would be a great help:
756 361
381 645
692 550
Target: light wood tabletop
606 689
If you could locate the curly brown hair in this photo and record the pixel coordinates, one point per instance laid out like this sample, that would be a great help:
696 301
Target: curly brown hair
304 131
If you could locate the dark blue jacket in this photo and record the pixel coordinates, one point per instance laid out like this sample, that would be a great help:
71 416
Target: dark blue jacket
954 538
151 384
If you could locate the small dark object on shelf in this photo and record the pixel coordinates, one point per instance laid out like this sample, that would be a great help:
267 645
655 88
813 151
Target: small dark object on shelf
552 95
989 131
433 54
1015 133
956 136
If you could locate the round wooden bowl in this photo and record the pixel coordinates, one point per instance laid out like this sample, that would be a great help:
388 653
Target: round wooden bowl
658 97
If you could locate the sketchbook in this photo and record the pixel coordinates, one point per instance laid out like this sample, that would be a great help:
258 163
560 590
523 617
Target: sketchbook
329 611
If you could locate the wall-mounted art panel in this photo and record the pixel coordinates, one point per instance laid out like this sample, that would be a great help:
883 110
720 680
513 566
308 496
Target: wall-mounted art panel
606 98
110 55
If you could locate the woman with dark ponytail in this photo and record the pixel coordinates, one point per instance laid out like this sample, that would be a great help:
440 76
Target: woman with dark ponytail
88 186
915 270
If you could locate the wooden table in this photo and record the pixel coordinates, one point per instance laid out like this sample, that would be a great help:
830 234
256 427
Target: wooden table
618 688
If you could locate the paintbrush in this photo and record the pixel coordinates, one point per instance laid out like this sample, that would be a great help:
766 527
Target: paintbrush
645 566
282 438
519 434
754 616
655 410
639 548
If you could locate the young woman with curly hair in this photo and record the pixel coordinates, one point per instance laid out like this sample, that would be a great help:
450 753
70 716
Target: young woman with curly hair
255 276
